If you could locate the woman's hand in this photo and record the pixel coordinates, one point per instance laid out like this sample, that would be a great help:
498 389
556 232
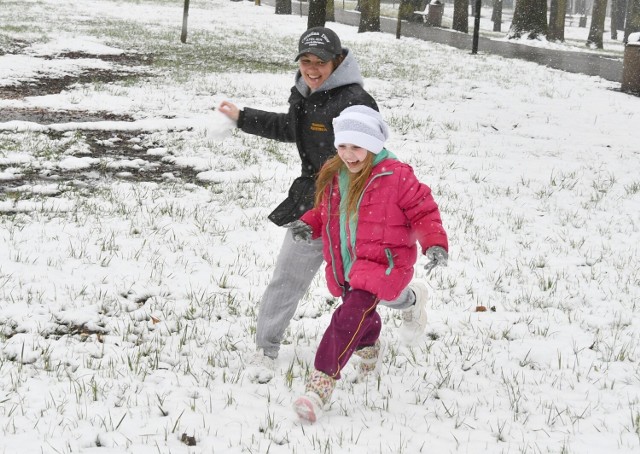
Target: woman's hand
230 110
300 230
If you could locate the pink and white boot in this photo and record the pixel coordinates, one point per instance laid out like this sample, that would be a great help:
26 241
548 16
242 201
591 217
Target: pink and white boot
318 390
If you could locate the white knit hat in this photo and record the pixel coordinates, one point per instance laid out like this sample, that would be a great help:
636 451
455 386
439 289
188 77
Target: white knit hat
361 126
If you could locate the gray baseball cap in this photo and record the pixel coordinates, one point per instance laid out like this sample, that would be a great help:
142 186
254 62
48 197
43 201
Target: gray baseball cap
321 42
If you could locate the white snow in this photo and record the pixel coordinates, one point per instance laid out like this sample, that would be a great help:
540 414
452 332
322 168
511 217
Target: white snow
128 306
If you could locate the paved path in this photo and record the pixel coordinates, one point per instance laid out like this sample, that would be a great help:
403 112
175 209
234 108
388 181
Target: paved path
609 68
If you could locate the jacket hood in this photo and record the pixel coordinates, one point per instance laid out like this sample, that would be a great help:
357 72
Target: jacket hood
346 74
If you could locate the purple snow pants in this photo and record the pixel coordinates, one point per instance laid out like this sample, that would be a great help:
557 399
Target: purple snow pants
355 324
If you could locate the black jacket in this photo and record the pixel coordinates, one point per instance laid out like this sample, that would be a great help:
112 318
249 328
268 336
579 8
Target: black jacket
308 123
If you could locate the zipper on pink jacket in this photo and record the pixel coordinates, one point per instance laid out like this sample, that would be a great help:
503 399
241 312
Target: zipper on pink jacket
333 259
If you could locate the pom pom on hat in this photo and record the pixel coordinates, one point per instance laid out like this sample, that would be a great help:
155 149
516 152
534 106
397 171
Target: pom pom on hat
361 126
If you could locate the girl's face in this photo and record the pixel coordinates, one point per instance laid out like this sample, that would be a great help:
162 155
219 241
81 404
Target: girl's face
314 70
353 156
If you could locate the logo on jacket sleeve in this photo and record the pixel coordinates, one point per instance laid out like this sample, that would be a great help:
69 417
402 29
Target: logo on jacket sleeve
318 127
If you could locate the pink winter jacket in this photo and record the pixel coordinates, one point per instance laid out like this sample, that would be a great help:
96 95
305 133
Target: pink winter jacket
395 211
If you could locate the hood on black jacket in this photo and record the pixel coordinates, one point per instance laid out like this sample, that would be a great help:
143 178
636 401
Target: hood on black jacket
346 74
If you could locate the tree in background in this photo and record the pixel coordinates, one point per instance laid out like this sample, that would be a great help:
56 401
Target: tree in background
283 6
369 16
460 16
597 23
633 19
406 9
529 19
618 11
496 15
330 16
317 13
557 12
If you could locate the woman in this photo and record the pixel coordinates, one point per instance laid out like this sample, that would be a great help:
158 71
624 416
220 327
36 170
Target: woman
328 80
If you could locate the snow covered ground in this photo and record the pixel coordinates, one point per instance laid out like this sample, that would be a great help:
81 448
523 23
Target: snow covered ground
135 244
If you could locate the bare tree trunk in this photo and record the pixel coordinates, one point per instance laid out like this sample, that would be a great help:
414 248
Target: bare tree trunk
496 15
283 6
633 19
557 12
618 13
597 23
615 4
317 13
622 13
530 19
369 16
460 16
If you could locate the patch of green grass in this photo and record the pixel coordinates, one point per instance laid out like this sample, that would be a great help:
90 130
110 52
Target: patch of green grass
8 144
17 28
203 52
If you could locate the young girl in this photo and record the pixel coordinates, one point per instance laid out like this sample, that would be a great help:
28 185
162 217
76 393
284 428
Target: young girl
370 210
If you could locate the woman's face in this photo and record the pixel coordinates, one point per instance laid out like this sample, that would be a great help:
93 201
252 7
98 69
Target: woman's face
314 70
353 156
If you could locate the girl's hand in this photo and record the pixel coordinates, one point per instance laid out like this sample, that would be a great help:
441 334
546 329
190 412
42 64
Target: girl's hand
230 110
437 256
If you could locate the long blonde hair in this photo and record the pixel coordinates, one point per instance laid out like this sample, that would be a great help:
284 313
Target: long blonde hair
357 181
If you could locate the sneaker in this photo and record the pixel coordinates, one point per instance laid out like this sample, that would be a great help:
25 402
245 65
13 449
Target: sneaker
318 390
414 319
260 367
308 407
370 361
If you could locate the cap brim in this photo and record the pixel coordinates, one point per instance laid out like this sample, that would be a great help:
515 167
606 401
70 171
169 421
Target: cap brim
320 53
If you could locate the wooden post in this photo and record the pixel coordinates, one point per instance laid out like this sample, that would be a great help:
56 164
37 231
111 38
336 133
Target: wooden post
476 27
185 16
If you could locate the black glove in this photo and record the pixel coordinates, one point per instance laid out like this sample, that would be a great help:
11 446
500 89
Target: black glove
437 256
300 230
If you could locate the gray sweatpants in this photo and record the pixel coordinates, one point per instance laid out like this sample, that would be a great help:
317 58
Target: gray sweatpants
296 265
